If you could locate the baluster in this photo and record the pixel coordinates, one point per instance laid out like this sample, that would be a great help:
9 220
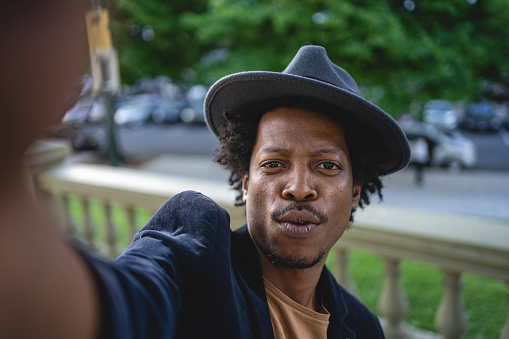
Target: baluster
451 320
65 214
341 261
110 231
505 330
392 303
131 216
89 229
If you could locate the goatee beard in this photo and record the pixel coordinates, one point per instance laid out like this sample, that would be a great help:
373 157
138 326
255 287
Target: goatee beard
293 262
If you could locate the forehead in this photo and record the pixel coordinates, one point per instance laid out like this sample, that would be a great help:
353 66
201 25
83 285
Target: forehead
299 128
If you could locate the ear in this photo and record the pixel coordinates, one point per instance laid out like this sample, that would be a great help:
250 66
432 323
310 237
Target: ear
245 181
356 195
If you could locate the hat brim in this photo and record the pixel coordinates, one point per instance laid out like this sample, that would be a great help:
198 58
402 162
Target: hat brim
239 89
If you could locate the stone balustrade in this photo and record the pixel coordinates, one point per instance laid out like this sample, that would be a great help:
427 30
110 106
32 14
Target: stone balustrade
456 244
123 188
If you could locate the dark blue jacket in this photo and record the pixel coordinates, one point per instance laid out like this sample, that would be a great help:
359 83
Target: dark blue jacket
186 275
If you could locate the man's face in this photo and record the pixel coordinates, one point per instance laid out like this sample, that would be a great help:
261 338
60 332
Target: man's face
299 192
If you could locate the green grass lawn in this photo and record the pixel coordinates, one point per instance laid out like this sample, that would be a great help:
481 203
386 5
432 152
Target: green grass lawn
486 300
120 220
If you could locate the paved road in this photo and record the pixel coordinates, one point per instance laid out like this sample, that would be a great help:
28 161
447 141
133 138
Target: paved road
140 144
493 149
482 192
476 192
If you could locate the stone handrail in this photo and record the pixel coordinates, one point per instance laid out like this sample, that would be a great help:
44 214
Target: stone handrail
456 244
123 188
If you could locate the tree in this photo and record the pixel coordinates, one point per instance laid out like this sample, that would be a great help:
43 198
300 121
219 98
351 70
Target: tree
150 38
398 51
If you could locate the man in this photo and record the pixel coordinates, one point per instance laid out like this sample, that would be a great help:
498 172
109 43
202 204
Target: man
304 154
304 150
305 139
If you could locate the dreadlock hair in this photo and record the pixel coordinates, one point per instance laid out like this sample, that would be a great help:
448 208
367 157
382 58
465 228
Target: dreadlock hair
237 142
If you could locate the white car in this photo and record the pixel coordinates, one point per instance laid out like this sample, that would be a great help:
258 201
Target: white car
440 113
135 111
446 149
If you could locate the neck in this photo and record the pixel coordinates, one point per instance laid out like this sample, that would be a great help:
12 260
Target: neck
297 284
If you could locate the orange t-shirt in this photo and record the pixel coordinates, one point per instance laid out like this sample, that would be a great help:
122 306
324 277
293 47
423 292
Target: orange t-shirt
292 320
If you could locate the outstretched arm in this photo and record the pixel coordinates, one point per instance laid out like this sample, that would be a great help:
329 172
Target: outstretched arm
46 290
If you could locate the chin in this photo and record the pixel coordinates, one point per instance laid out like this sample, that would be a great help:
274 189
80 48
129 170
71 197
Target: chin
294 262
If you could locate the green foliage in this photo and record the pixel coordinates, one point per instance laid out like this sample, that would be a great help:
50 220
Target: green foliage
440 49
169 50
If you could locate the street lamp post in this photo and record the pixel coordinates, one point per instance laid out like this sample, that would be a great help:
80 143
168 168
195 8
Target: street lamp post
104 69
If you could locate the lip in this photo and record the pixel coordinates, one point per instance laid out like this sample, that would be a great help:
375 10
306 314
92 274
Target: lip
298 230
299 217
298 224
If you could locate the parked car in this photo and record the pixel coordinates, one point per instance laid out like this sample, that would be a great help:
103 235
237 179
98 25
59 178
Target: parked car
79 113
195 97
135 111
73 125
168 111
440 113
481 116
445 149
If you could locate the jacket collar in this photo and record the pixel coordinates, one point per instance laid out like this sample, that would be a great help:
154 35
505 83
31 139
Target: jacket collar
332 294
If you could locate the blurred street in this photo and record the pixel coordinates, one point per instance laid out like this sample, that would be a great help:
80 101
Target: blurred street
474 192
186 150
143 142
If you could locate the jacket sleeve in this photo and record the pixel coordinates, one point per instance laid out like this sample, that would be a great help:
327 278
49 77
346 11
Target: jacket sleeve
141 291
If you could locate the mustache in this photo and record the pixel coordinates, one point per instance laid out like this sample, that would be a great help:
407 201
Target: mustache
274 215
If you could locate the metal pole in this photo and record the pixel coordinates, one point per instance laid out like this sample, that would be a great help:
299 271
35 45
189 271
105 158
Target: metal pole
111 140
103 53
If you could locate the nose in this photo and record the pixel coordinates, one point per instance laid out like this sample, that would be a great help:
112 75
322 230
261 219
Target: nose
299 186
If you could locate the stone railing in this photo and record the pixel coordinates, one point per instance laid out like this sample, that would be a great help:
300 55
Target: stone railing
456 244
453 243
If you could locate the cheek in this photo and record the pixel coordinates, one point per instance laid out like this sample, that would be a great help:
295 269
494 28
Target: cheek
255 200
260 198
340 203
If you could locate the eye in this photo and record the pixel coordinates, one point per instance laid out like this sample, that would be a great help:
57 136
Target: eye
272 164
328 165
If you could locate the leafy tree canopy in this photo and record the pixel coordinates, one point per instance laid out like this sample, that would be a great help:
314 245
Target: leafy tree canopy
398 51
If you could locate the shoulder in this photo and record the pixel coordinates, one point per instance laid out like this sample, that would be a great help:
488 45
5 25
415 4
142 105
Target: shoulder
190 225
187 215
187 209
171 254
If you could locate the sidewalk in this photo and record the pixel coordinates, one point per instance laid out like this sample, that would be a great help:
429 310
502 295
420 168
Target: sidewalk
473 192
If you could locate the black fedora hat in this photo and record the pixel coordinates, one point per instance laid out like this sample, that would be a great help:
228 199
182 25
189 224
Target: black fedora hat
311 75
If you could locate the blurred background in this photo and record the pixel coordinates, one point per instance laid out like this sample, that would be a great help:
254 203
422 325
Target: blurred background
441 69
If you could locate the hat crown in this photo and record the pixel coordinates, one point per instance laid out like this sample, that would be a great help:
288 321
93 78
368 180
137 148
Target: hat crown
310 75
313 62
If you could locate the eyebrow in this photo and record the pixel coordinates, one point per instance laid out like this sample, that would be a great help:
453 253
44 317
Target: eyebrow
281 150
336 151
270 149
